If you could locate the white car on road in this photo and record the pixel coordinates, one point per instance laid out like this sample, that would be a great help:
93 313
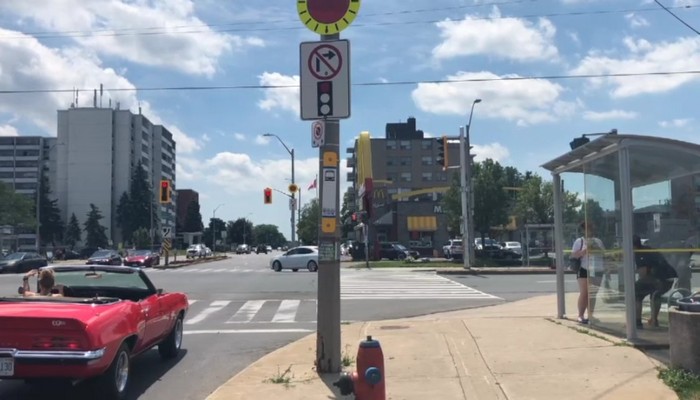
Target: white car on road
296 259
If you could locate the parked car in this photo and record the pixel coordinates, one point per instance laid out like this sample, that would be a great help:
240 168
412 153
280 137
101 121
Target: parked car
196 251
453 249
105 257
514 247
395 251
22 262
243 249
268 248
141 258
93 332
296 259
261 248
207 251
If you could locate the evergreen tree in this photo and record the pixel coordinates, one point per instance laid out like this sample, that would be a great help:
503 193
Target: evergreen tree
140 200
16 208
193 218
123 217
50 224
141 239
72 235
95 235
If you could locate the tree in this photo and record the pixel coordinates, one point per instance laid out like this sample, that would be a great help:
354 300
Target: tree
16 208
490 199
193 218
236 229
220 227
94 232
123 218
50 223
535 203
141 238
452 205
269 234
346 224
141 201
72 235
307 228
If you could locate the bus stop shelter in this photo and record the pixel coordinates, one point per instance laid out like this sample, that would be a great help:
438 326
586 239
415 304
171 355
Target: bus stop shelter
632 185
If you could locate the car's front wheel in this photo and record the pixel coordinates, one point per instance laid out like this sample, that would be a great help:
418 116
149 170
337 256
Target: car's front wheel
312 266
277 266
113 383
170 347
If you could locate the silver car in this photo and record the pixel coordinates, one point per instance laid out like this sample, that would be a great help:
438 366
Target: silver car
296 259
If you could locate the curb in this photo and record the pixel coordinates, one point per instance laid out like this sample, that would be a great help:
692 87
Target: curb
475 271
196 262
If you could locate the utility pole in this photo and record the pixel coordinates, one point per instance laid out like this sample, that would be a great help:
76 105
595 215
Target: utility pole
292 206
464 192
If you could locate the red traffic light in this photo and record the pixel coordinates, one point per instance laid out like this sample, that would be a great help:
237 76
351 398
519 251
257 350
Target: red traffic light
267 196
164 184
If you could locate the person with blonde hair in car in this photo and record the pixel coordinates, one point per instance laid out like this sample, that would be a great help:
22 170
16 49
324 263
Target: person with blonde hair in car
47 284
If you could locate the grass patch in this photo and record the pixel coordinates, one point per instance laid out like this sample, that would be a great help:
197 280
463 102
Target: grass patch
347 360
684 383
281 378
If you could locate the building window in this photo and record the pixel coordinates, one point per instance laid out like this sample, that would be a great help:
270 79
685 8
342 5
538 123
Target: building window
7 141
145 136
25 164
426 160
426 144
405 161
7 153
25 186
427 176
7 163
390 162
405 177
25 174
24 141
144 148
394 177
405 145
391 145
7 175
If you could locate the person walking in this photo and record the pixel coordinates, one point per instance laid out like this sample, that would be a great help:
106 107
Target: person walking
589 250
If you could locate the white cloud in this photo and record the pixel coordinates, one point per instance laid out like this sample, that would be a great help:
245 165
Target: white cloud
239 136
523 101
607 115
262 140
683 3
509 38
8 130
494 151
206 138
27 64
645 57
636 21
186 43
674 123
280 98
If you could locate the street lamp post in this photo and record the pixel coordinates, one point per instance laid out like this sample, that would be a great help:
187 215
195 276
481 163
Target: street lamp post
466 191
293 209
213 229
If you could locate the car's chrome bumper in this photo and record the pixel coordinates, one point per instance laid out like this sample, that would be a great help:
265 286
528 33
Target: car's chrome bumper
54 354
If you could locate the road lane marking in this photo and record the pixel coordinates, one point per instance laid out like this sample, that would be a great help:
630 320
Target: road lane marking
287 311
247 312
219 331
213 307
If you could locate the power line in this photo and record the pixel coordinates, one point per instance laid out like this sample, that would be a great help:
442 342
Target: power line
135 32
367 84
677 17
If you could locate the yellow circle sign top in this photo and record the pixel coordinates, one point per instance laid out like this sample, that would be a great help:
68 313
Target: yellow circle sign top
293 188
327 17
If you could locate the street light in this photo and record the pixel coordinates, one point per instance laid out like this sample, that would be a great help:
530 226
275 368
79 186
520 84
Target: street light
244 225
291 153
467 195
213 229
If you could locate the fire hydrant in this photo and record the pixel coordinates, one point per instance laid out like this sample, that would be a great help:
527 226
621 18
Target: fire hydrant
367 382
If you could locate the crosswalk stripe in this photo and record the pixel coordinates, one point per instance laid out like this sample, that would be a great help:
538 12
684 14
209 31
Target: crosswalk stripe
287 311
190 301
213 307
247 312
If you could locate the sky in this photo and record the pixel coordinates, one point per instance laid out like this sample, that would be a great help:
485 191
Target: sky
405 57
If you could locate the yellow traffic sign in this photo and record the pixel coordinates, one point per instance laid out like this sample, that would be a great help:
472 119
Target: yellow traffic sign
328 225
327 17
293 188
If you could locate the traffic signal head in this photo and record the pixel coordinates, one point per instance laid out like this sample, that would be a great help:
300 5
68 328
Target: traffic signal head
164 191
442 152
354 217
267 194
324 90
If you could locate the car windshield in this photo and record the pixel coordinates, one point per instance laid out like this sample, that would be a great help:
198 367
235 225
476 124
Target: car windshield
456 242
123 280
139 252
15 256
512 244
101 253
400 247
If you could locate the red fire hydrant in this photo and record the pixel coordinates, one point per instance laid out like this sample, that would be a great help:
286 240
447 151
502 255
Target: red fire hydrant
367 382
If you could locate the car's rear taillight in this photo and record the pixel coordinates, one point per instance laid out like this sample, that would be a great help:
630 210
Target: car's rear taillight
57 343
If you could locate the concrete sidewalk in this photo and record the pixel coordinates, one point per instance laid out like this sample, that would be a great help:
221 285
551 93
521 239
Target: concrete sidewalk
509 351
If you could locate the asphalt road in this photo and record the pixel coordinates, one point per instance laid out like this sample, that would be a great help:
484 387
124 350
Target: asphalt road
241 310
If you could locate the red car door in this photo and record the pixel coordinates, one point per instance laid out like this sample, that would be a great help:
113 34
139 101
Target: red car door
153 319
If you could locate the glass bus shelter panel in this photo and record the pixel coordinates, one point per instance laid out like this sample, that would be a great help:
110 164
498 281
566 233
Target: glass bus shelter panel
603 235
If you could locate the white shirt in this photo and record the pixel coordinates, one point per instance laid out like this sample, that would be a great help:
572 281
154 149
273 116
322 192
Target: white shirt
593 261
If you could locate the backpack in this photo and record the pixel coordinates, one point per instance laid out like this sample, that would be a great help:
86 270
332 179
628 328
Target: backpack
575 262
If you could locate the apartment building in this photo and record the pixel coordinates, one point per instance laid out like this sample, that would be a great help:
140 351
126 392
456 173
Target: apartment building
97 149
408 185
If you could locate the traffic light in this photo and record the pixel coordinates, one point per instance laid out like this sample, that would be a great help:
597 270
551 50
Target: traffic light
164 191
442 152
324 90
354 217
267 195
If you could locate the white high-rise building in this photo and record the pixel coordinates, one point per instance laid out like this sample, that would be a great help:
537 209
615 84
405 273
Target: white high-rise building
96 152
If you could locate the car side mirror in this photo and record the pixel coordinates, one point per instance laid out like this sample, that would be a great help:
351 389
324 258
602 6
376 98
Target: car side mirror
159 292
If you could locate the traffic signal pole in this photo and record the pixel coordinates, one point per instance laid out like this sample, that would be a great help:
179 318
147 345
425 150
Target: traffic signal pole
464 192
328 327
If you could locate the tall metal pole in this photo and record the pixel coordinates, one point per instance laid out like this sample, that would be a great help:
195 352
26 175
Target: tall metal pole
292 206
465 204
328 326
213 229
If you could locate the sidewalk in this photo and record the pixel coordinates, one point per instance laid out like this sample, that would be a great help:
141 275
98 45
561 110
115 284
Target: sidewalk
509 351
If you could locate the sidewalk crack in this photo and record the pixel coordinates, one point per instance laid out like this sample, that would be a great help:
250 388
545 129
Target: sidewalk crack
481 354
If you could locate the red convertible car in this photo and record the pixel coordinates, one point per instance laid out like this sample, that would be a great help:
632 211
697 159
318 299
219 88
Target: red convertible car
105 316
141 258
